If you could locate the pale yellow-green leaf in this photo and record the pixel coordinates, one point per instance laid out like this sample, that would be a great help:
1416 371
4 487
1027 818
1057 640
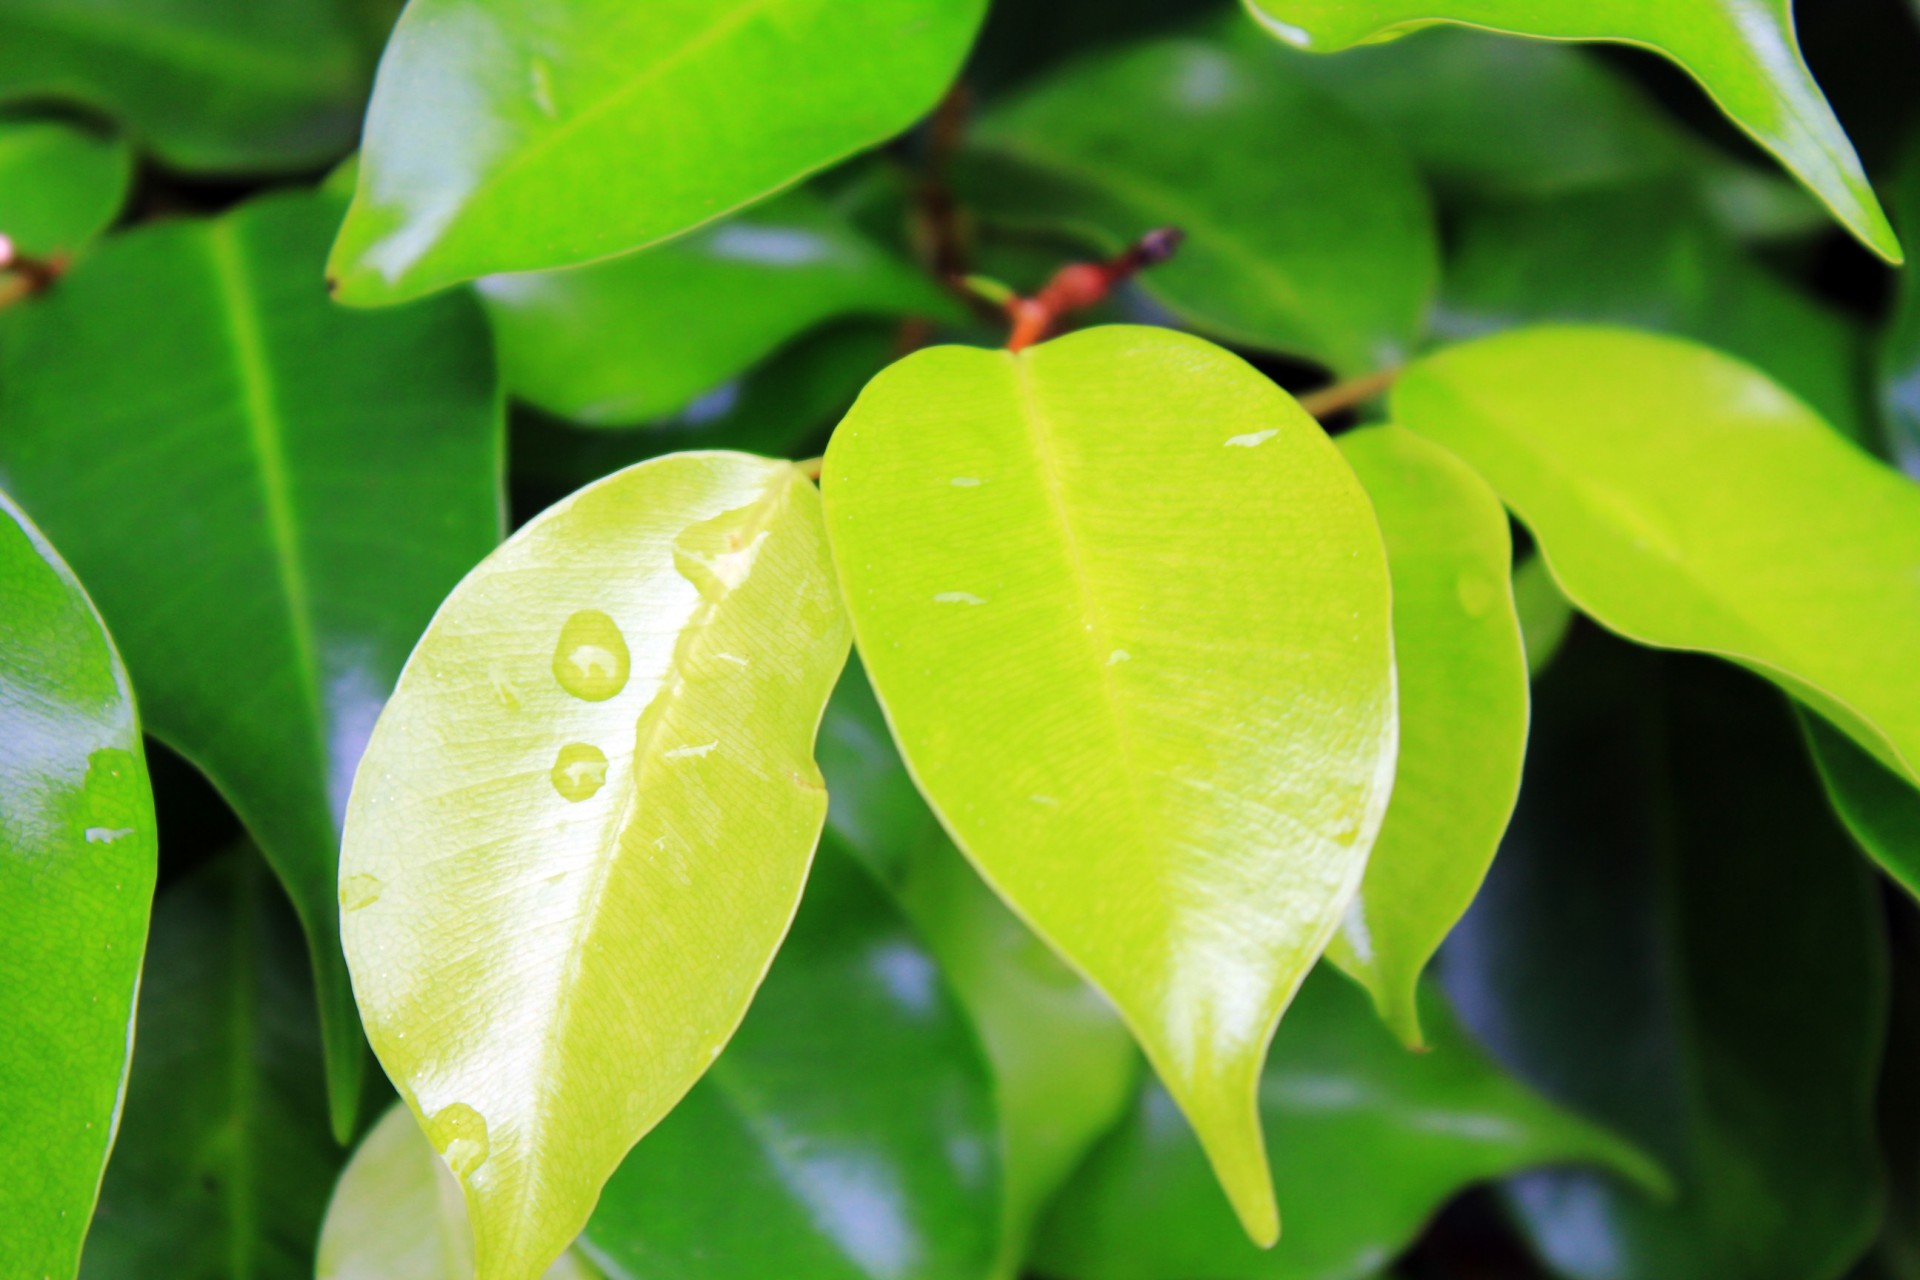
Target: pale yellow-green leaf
582 826
1684 500
1128 613
397 1214
1744 53
1463 713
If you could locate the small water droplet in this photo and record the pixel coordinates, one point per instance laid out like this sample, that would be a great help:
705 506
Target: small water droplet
359 891
459 1134
591 661
1251 440
106 835
579 771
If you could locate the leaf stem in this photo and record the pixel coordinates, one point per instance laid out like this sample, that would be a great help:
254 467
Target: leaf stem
1328 401
1080 285
811 468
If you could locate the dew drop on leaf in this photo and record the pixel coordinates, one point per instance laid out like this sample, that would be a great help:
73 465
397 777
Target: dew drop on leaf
579 771
591 661
359 891
459 1134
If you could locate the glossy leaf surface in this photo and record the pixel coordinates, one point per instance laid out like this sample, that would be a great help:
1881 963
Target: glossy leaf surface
223 1166
636 338
1801 559
398 1215
1669 846
1462 670
1307 231
268 496
1367 1142
1879 807
1063 1063
207 85
1649 256
77 849
1049 575
583 823
514 135
847 1132
60 186
1743 52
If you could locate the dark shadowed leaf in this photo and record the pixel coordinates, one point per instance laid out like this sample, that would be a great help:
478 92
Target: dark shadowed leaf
60 186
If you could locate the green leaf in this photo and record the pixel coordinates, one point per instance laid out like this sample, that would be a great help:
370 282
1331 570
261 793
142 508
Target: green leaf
268 496
1899 363
1676 940
223 1166
1685 501
397 1215
1367 1141
1648 256
517 135
1546 616
60 186
636 338
1462 670
207 85
1307 231
847 1131
583 822
1063 1064
1880 808
77 855
1092 658
1743 52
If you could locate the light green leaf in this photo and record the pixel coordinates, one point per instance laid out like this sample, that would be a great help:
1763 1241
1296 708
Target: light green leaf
60 186
398 1215
1093 659
518 135
1677 941
1879 808
207 85
1367 1141
1063 1063
1685 501
1743 52
846 1133
636 338
222 1169
1307 231
1546 616
268 496
77 849
1463 713
582 825
1648 256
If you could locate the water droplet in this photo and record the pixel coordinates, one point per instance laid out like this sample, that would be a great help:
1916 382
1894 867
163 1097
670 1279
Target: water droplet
459 1134
106 835
359 891
591 661
1118 656
1478 593
717 555
957 597
1251 440
579 771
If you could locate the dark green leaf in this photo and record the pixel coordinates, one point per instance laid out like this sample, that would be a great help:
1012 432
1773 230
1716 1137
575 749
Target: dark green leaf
1546 615
224 1164
270 495
1367 1141
519 135
1880 808
1899 366
207 85
1677 940
636 338
60 186
1307 231
76 875
1648 256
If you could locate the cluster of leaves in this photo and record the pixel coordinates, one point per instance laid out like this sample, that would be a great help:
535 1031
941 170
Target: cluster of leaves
1164 692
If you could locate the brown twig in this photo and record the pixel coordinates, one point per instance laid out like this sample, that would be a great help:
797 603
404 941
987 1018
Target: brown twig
24 275
1080 285
938 223
1328 401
